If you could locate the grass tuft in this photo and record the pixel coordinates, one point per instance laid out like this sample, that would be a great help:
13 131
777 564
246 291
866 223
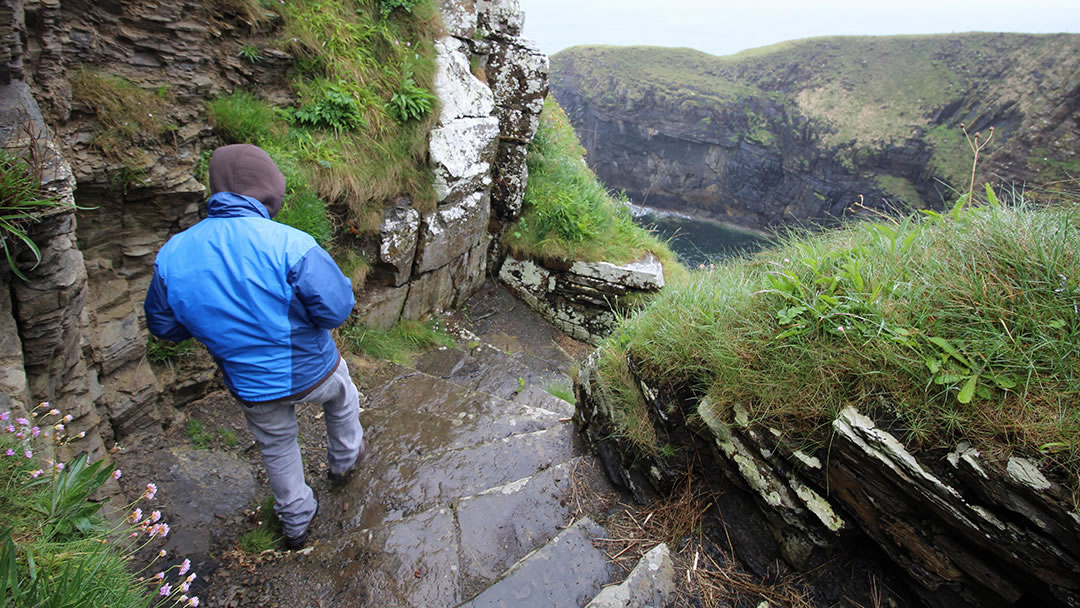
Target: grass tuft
400 343
568 214
130 116
954 327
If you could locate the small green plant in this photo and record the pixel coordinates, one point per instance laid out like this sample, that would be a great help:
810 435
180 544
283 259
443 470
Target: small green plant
410 102
129 115
251 53
305 210
21 202
334 107
561 391
387 6
399 343
228 437
195 429
164 351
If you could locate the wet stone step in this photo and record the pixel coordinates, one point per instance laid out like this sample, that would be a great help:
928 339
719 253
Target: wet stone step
500 525
395 489
568 571
538 397
419 414
482 368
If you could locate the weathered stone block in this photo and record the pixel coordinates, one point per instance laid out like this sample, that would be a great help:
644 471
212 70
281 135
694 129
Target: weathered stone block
503 18
459 17
452 230
398 236
646 273
379 307
461 94
461 154
511 175
518 75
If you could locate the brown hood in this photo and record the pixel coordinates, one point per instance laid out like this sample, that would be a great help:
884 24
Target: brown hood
248 170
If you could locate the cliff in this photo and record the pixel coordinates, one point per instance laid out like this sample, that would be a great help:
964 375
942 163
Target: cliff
123 91
799 130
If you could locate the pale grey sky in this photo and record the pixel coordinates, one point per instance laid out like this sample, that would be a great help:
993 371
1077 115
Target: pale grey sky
722 27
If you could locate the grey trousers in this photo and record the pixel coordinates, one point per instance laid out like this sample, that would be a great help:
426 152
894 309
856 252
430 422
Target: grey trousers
274 426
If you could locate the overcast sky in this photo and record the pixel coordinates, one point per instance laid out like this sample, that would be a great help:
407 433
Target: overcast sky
722 27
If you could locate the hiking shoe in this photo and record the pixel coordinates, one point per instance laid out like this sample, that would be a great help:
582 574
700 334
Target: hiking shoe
295 543
339 479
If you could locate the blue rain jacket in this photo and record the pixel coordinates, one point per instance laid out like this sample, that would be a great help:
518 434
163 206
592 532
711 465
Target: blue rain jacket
261 296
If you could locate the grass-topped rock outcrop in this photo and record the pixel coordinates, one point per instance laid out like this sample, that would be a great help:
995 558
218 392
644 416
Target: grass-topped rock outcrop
796 131
913 380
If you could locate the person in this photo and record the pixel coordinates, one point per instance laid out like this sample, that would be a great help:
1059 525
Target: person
263 297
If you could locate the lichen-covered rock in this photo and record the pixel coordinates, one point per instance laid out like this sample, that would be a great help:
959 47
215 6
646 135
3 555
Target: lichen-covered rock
398 236
518 75
511 176
582 299
452 230
650 584
462 154
461 94
502 18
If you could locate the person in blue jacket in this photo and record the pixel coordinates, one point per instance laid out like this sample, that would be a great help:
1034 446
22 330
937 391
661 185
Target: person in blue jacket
263 297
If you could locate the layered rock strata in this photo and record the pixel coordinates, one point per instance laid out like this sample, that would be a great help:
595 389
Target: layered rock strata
81 340
966 528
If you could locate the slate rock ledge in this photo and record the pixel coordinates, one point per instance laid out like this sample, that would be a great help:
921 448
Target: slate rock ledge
966 529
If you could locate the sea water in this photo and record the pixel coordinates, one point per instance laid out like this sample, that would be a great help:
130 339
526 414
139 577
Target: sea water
696 240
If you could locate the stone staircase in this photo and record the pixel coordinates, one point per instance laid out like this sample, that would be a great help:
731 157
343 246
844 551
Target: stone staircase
467 496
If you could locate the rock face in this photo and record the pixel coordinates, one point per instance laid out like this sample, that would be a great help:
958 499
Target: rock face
966 529
583 299
77 335
799 131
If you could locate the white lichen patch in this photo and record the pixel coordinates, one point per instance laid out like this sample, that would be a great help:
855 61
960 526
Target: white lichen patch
810 461
816 504
1027 473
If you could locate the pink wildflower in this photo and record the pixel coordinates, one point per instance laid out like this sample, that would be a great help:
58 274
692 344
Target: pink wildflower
28 454
35 431
36 474
4 416
58 426
161 553
166 589
151 490
193 602
155 516
59 466
164 530
10 452
68 418
190 578
184 567
135 515
185 587
22 421
54 412
10 428
159 576
117 474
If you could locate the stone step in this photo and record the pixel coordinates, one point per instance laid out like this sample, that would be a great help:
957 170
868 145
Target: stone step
418 414
390 489
440 556
568 571
485 368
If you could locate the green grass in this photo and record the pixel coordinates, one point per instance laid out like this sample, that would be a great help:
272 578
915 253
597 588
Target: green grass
130 117
949 328
266 534
561 391
400 343
164 351
357 134
21 203
568 214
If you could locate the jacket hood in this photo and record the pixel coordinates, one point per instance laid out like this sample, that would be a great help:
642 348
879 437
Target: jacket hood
247 170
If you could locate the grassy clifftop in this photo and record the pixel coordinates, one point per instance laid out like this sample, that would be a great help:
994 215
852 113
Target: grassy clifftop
863 92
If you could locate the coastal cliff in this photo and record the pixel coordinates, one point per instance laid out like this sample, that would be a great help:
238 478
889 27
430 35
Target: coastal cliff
798 131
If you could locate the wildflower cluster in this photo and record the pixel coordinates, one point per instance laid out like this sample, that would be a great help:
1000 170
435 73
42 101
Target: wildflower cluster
24 443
